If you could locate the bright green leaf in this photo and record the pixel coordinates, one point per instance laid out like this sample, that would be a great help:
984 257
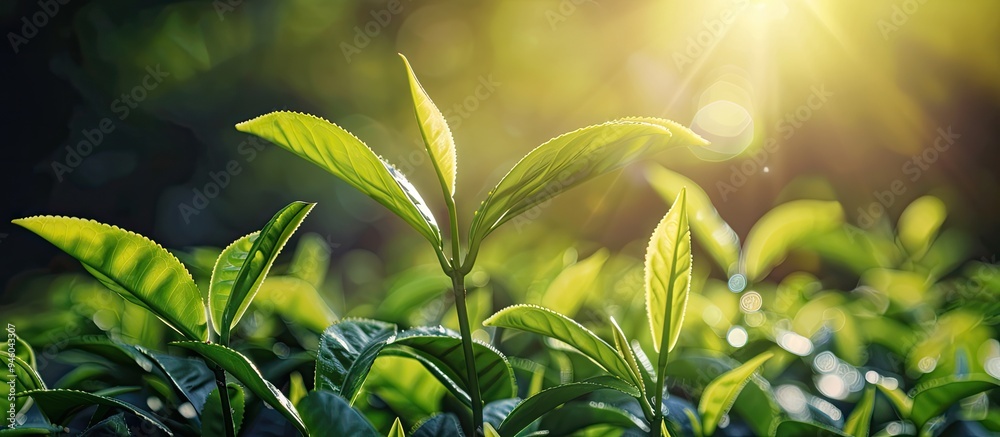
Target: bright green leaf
668 276
710 230
345 156
325 413
623 348
859 422
297 301
434 129
573 158
397 429
311 260
296 388
230 295
784 228
919 224
549 323
60 406
212 422
721 393
246 372
131 265
568 291
489 431
902 402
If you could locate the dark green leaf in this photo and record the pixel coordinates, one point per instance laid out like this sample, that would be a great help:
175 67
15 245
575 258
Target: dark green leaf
26 379
792 428
346 353
190 375
131 265
534 407
60 406
325 413
212 421
245 371
933 397
113 426
441 425
578 416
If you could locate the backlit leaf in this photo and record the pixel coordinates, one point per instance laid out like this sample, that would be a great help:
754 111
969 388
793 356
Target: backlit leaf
435 132
721 393
668 276
345 156
131 265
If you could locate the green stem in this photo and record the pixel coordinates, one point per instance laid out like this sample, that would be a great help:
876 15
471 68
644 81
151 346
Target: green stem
655 426
458 280
227 409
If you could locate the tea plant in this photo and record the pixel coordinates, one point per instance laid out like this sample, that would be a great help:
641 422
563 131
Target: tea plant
909 322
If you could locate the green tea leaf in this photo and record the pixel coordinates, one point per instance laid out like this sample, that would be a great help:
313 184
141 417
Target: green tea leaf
489 431
793 428
60 406
246 372
547 400
349 348
345 156
721 393
435 132
440 425
571 159
212 422
919 224
549 323
296 301
397 429
623 348
578 416
112 426
325 413
902 402
131 265
933 397
346 353
668 276
859 422
784 228
296 388
568 291
311 260
443 348
26 378
230 294
190 375
710 230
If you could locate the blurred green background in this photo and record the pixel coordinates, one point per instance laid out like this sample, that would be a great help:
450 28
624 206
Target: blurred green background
871 103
